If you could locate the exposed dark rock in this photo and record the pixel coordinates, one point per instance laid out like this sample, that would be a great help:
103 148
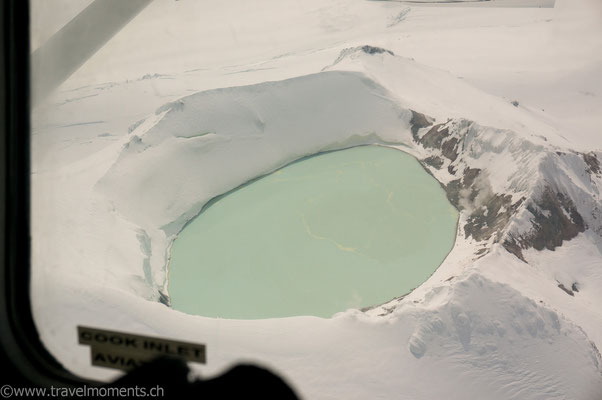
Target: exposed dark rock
474 192
454 187
490 218
482 251
566 290
556 219
555 216
575 287
452 190
388 310
370 50
434 137
515 103
418 122
376 50
449 149
593 164
513 247
434 161
164 299
470 174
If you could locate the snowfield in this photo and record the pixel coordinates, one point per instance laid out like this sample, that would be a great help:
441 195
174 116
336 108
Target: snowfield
501 105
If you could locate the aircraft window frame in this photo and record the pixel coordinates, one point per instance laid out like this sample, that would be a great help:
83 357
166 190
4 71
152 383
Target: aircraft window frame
24 355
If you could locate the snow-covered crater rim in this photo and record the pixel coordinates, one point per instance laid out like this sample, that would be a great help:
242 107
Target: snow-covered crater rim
494 177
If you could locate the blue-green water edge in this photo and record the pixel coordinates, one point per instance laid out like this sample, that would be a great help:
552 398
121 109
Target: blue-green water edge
345 229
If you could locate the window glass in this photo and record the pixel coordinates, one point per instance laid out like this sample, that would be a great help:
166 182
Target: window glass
363 196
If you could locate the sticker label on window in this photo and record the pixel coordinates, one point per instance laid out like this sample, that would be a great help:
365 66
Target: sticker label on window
126 351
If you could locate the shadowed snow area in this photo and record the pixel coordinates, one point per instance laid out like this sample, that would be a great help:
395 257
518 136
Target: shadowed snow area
208 143
129 150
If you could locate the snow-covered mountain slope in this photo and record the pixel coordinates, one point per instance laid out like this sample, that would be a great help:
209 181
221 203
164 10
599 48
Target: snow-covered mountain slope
512 313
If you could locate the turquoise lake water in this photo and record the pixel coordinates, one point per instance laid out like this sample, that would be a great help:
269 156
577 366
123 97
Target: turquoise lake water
345 229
